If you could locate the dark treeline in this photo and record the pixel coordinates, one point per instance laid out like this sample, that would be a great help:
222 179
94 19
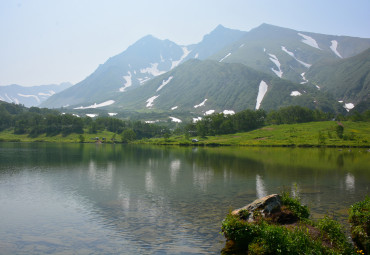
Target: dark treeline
247 120
36 121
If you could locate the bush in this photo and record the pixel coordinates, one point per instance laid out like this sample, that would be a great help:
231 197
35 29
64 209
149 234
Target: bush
294 205
334 231
359 217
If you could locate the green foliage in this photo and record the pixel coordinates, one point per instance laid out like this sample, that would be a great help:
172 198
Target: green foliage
219 123
359 217
36 121
264 237
81 138
296 114
339 130
294 205
128 135
334 231
240 231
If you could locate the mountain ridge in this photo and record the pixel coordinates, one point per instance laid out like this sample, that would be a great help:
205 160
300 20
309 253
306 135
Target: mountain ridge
284 53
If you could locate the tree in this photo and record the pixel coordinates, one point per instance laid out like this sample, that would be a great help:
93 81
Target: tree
128 135
339 129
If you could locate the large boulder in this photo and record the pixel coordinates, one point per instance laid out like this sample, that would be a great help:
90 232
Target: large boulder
265 206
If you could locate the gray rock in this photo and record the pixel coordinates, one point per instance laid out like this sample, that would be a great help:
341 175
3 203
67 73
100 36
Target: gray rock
265 206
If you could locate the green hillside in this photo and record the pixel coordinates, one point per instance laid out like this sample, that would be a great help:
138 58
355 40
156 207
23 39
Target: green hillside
221 86
267 46
347 79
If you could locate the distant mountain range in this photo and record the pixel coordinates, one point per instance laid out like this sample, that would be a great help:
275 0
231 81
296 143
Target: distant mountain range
30 96
228 71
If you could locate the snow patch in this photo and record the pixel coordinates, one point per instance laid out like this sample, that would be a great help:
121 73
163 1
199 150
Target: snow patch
112 113
128 82
209 112
92 115
333 47
292 55
195 120
264 49
95 105
11 100
162 59
295 93
143 80
196 55
174 108
201 104
153 70
150 101
261 93
275 60
76 115
349 106
304 78
228 112
51 92
173 119
35 97
241 46
222 59
309 41
340 101
184 55
164 83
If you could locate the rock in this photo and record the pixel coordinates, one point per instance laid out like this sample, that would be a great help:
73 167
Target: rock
265 206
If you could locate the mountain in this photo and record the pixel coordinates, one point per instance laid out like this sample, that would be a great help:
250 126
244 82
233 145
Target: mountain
348 80
288 53
147 58
30 96
204 87
229 70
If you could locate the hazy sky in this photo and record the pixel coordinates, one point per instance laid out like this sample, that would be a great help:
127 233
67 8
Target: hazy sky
53 41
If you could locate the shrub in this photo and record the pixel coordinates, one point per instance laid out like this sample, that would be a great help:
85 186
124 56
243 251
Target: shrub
294 204
335 232
359 217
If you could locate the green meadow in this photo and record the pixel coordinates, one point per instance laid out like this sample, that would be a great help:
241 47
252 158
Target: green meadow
312 134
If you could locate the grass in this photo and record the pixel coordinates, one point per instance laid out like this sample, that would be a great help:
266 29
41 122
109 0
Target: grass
313 134
9 136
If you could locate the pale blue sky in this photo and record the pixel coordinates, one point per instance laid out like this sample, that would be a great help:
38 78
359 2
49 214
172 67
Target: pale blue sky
52 41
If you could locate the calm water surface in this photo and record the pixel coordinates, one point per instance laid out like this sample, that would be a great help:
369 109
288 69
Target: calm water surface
119 199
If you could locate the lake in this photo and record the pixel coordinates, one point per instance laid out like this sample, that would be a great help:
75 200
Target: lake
125 199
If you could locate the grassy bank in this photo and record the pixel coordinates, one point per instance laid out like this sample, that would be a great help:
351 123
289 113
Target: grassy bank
313 134
355 134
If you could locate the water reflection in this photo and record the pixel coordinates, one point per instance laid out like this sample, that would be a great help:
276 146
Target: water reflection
174 170
350 182
156 200
260 187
